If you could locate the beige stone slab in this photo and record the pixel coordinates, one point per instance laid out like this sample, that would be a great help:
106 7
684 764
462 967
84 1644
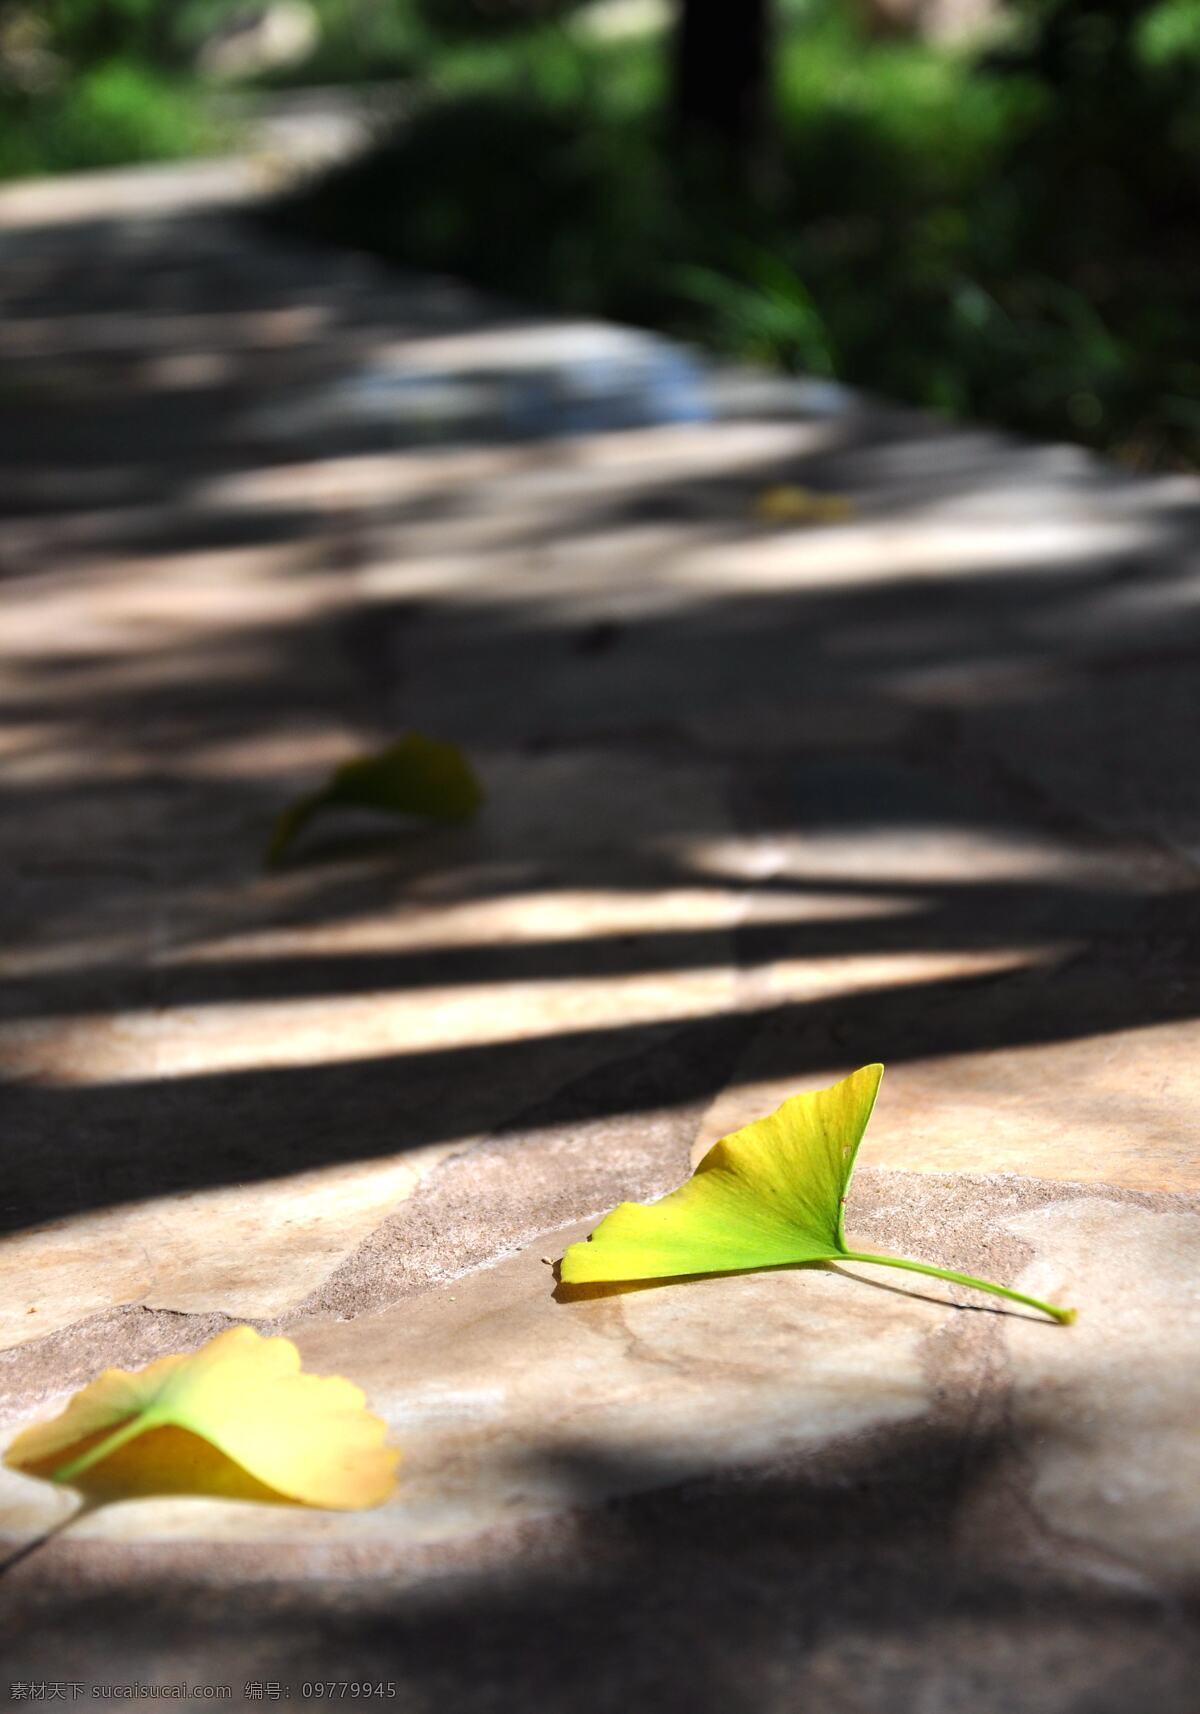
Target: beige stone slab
249 1251
1114 1108
1088 1102
908 1560
509 1405
1105 1109
1107 1418
255 1249
126 192
543 884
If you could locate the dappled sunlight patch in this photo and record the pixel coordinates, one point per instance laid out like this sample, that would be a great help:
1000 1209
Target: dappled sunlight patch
866 551
337 1029
252 1249
385 1014
1100 1107
890 866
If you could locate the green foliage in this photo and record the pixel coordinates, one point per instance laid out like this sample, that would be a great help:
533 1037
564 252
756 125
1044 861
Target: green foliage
360 41
1169 35
474 18
765 313
98 83
86 31
113 114
908 234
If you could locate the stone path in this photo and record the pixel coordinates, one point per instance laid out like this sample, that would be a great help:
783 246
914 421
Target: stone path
765 801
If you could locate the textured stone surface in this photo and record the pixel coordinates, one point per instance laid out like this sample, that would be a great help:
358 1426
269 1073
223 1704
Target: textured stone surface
243 1251
765 801
1115 1464
498 1382
496 1391
1110 1109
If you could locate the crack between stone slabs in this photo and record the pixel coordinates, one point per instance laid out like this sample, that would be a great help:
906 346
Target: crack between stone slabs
543 1132
127 1336
198 1325
1032 1537
721 1040
969 1375
993 1472
1007 1488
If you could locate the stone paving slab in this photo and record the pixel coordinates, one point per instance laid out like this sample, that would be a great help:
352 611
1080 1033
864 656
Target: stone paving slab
764 801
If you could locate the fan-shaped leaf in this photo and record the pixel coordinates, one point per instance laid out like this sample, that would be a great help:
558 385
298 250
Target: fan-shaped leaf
306 1438
417 776
787 504
770 1194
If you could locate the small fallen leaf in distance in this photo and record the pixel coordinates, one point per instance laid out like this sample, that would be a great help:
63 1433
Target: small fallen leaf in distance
770 1194
790 505
305 1438
417 776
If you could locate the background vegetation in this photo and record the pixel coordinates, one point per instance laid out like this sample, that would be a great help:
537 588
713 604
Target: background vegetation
1003 230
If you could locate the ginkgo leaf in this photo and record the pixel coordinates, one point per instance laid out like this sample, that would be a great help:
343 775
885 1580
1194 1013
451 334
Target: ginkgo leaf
787 504
770 1194
417 776
307 1438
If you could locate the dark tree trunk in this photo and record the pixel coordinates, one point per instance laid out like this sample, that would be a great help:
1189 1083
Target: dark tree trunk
721 71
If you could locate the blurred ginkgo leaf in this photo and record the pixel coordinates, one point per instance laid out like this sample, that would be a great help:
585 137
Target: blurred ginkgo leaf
770 1194
417 776
235 1419
786 504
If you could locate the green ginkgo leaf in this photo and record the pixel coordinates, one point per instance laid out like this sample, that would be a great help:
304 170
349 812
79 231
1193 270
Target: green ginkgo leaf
770 1194
417 776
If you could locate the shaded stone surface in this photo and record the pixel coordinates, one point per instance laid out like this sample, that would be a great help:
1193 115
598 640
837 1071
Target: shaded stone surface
764 801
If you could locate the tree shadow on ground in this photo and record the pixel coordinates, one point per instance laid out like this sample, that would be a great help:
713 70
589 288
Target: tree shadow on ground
971 692
842 1577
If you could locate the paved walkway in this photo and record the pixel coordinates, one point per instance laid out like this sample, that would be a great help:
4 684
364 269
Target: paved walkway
765 800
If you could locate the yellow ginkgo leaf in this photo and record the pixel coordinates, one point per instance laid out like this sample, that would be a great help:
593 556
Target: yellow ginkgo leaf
417 776
787 504
305 1438
770 1195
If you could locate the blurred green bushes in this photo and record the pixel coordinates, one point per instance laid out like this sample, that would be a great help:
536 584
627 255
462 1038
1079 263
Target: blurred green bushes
95 83
1010 233
113 113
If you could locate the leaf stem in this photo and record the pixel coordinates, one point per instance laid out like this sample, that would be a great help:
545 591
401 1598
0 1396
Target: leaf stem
1050 1309
111 1443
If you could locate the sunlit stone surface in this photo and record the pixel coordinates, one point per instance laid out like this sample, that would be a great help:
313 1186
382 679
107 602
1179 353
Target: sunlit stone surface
764 801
